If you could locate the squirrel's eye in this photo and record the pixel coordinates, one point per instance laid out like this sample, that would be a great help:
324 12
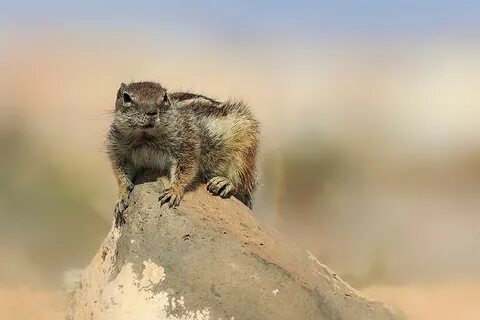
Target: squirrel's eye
127 98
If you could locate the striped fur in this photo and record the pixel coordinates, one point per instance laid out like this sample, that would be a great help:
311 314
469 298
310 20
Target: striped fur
187 135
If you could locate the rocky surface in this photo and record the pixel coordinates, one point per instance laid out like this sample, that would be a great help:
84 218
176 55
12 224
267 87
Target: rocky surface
209 259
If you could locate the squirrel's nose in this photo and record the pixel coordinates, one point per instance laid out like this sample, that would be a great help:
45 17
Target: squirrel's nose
151 113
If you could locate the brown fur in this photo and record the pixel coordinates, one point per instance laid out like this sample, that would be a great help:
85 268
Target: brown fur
188 136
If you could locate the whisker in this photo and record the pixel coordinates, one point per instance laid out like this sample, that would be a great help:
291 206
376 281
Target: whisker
102 114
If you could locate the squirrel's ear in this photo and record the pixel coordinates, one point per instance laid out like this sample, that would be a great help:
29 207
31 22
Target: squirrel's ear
120 90
164 100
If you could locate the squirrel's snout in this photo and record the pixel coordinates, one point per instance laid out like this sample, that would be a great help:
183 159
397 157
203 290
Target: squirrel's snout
149 110
151 113
150 118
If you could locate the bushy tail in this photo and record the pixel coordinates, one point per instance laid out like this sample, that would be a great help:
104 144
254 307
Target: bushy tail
246 200
246 197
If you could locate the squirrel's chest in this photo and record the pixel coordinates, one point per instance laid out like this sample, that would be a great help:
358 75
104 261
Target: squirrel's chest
150 158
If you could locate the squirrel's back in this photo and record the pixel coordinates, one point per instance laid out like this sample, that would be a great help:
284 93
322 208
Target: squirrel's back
229 134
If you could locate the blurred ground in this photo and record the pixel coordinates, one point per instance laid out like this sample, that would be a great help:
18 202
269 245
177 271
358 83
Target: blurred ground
24 303
418 302
433 301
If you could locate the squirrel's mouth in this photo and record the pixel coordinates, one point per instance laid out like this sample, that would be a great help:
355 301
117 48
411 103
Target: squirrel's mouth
149 124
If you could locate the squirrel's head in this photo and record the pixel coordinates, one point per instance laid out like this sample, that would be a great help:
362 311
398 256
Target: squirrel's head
140 105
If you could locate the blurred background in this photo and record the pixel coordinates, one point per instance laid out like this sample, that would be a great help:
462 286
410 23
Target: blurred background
370 133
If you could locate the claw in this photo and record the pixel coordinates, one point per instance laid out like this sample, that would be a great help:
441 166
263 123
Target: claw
164 197
171 196
212 182
227 191
120 207
220 186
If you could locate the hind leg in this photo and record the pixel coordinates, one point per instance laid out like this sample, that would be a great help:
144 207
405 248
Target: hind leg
220 186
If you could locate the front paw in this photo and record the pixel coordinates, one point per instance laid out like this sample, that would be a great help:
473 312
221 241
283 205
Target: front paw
129 187
220 186
120 207
171 196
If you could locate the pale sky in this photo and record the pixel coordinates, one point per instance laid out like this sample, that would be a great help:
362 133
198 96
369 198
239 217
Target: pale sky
229 20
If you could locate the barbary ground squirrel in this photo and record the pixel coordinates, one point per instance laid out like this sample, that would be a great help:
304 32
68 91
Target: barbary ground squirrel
188 136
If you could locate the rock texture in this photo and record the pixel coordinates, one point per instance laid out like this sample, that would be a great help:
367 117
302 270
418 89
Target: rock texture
208 259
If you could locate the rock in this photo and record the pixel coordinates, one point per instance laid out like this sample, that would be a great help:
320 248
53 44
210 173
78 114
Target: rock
208 259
